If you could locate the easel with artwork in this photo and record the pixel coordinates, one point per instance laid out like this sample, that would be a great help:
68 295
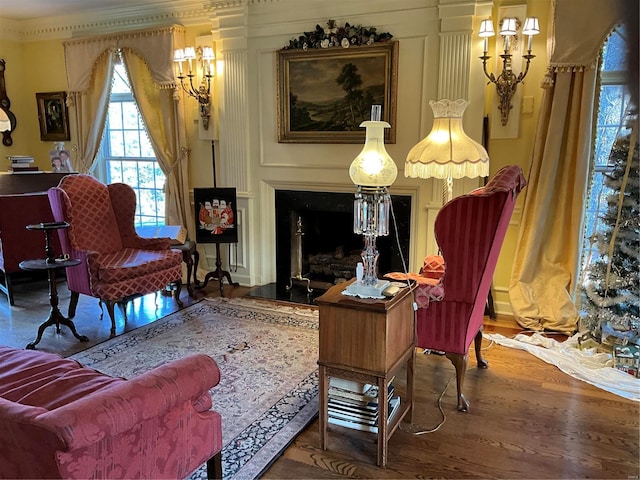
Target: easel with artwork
215 215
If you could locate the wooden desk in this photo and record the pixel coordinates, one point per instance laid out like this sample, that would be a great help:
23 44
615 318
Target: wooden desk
366 340
12 183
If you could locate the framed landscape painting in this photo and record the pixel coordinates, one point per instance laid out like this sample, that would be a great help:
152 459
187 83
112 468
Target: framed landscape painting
325 94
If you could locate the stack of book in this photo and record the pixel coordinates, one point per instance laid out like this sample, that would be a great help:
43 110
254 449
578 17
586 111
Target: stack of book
355 405
21 163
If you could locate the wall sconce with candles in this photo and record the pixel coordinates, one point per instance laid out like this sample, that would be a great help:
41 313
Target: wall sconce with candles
192 56
507 82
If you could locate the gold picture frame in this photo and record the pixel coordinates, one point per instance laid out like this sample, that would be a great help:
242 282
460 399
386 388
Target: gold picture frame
324 94
53 116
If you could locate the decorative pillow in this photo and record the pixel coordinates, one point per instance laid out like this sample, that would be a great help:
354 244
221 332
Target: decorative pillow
426 293
433 267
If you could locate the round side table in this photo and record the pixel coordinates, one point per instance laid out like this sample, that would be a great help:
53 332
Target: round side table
50 264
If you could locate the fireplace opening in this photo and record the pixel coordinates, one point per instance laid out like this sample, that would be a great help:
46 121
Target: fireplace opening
316 244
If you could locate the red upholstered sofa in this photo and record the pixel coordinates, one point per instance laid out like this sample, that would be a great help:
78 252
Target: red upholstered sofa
59 419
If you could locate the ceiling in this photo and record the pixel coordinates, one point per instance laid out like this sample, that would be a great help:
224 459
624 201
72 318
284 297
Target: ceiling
32 9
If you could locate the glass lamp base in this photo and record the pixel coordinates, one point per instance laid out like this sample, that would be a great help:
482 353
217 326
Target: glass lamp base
358 289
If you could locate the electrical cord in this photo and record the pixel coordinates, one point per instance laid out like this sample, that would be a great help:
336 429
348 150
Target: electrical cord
419 430
395 229
411 428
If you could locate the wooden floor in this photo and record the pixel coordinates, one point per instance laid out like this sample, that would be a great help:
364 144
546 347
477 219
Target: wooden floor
527 419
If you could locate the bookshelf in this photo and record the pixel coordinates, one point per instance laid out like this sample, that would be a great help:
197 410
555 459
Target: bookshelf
362 343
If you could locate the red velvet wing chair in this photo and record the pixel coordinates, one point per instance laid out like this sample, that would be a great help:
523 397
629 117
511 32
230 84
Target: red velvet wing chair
116 263
453 288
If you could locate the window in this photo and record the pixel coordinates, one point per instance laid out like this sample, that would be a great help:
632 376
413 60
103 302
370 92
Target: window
126 154
612 106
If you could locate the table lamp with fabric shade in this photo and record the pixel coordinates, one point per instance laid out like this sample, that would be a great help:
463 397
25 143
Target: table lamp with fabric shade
447 152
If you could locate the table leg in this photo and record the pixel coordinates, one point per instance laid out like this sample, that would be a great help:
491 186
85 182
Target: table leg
55 317
383 413
188 260
323 410
196 261
409 394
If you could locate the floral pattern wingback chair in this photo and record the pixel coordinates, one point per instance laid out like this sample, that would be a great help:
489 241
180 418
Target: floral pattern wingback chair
453 287
116 263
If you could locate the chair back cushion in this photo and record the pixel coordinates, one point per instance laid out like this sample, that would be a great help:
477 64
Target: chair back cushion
469 230
87 207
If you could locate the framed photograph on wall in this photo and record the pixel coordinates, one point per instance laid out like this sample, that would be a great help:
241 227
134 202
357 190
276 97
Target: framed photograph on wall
325 94
53 116
216 215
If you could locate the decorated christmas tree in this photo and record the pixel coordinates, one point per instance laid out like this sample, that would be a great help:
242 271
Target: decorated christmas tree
612 287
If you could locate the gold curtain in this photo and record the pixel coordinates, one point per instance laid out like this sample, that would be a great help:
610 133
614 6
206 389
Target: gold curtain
546 264
90 111
148 55
155 45
545 271
165 123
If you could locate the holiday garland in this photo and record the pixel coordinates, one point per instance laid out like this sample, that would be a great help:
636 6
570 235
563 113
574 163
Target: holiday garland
334 36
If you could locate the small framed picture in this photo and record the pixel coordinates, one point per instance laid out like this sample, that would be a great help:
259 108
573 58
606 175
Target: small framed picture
215 215
53 116
60 161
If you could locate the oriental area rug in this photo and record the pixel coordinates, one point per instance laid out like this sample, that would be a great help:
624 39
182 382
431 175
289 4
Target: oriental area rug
267 353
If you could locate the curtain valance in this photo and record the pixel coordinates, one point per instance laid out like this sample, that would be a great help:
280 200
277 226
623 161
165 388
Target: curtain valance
580 28
156 46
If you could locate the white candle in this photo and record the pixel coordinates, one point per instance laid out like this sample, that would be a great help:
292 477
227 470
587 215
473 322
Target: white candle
486 44
529 42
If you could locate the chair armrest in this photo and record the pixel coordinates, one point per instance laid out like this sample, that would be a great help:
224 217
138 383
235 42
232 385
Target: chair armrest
17 412
143 243
118 408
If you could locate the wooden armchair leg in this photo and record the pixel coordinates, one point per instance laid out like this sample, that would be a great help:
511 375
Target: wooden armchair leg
477 343
7 288
73 304
112 314
460 363
176 293
214 466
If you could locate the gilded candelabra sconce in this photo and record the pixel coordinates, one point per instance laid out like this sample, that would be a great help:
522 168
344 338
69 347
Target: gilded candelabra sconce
202 93
507 82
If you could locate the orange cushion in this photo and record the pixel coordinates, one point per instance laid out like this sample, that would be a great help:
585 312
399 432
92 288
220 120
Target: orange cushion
433 266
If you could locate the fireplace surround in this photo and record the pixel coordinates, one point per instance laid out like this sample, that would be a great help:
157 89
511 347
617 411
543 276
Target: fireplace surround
329 248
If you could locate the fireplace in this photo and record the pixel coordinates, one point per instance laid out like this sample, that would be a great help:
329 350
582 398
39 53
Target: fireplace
329 250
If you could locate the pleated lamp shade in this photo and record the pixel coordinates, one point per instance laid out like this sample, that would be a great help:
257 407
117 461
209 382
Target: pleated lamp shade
447 152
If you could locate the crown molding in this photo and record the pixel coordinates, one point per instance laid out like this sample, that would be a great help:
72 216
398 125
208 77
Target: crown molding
222 4
108 20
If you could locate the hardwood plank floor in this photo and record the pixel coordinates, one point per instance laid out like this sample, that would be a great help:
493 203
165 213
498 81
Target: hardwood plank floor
527 419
